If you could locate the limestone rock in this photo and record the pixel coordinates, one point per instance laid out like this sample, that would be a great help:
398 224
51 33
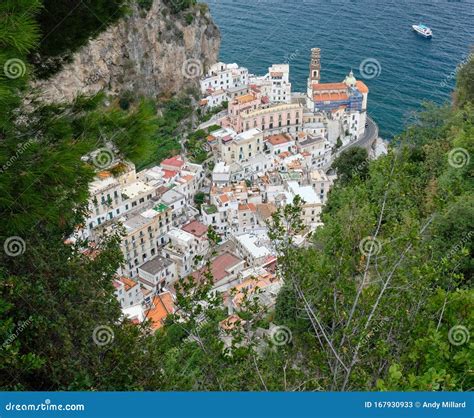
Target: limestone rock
150 53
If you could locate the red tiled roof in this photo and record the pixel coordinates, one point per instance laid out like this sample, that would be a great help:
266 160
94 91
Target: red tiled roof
330 97
361 86
223 198
168 174
329 86
176 161
278 139
219 266
162 307
196 228
246 98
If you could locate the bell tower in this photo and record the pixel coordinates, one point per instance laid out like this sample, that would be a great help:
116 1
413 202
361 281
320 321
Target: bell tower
315 65
314 75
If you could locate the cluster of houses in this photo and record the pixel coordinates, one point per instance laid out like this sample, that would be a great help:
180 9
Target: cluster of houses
326 112
271 146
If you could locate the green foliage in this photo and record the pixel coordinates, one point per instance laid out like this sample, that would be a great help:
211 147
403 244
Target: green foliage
18 35
177 6
199 198
352 162
164 142
214 111
464 84
213 128
195 146
145 4
389 276
189 18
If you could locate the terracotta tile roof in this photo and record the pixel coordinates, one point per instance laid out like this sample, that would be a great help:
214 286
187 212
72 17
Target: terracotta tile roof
162 306
361 86
196 228
247 206
330 97
203 102
250 286
167 174
223 198
176 161
227 138
246 98
104 174
161 190
129 283
219 267
284 154
187 178
278 139
329 86
265 210
145 291
276 74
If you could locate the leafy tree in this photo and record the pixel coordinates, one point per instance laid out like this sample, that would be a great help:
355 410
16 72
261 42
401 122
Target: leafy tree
199 198
352 162
465 86
18 35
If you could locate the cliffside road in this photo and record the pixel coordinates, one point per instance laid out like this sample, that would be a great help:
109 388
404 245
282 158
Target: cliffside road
213 120
365 141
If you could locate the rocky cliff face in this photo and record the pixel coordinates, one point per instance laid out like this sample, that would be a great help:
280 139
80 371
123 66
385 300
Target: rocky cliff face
150 53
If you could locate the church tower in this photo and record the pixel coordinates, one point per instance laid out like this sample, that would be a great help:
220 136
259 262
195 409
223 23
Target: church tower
314 75
315 65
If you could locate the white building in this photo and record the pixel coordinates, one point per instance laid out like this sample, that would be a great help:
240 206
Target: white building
157 274
127 292
114 192
252 168
187 246
321 183
222 83
221 174
254 247
224 76
242 147
276 144
275 84
312 204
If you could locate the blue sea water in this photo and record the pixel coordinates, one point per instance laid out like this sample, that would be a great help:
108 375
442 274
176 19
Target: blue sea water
406 69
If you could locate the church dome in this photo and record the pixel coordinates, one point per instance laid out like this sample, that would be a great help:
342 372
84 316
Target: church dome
350 80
